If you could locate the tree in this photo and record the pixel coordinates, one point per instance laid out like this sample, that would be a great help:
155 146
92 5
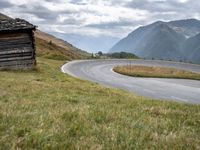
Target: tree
100 53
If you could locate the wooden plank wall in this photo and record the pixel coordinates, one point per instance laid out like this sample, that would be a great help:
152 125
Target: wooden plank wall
17 50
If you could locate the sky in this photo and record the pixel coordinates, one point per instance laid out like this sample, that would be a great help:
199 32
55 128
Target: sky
96 25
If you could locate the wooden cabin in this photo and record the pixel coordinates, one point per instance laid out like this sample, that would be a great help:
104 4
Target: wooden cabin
17 44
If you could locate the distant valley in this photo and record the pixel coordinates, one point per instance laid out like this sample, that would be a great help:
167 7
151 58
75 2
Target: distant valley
175 40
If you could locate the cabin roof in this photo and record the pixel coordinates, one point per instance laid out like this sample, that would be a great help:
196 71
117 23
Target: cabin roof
15 25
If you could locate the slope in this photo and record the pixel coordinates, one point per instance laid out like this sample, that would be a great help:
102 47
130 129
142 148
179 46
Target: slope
47 109
49 46
164 40
191 48
187 27
157 40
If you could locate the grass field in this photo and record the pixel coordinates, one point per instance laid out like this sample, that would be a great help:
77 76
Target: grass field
46 109
155 72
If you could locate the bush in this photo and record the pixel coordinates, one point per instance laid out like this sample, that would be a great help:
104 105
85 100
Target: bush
123 55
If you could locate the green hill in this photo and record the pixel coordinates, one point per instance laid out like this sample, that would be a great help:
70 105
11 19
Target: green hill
48 46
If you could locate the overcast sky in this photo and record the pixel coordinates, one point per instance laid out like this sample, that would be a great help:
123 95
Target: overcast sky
97 24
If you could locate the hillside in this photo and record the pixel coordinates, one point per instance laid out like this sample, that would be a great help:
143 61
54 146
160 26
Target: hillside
162 40
46 109
49 46
192 48
157 40
188 27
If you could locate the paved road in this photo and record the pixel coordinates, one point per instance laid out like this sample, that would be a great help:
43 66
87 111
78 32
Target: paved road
100 71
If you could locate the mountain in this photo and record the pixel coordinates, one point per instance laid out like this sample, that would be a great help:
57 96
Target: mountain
191 48
49 46
162 40
188 27
157 41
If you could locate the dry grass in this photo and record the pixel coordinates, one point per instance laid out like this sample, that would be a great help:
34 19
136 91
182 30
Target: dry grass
155 72
52 51
50 46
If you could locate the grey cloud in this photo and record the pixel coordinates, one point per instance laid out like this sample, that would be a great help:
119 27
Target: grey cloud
189 6
5 4
78 2
116 24
72 21
167 10
156 6
39 11
47 15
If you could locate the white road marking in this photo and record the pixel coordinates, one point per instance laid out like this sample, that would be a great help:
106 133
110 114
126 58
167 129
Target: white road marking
101 71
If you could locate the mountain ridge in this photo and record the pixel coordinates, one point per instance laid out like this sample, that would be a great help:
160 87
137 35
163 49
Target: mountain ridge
193 44
162 40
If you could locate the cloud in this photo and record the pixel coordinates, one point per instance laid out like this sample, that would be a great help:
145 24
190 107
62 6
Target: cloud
5 4
98 18
82 14
169 9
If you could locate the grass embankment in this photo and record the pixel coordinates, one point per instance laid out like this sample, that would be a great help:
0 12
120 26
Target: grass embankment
155 72
52 51
46 109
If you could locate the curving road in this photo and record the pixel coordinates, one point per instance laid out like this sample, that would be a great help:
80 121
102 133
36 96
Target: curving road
100 71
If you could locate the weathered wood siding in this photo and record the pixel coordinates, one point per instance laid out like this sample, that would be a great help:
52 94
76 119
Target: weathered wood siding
17 50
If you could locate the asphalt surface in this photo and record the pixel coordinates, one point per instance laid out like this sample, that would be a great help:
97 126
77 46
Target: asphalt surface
100 71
